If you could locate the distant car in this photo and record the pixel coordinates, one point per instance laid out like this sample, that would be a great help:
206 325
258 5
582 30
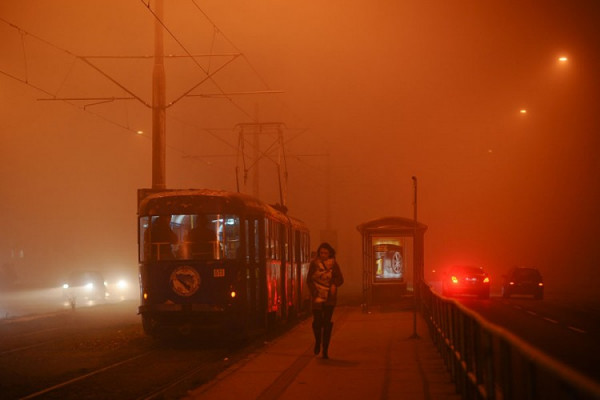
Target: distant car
123 286
84 286
523 281
466 280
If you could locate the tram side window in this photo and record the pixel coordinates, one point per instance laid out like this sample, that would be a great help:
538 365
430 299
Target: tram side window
144 223
276 242
268 238
247 236
252 233
289 243
230 236
305 248
256 252
189 237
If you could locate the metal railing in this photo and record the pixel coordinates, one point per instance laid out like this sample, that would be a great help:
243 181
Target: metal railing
488 362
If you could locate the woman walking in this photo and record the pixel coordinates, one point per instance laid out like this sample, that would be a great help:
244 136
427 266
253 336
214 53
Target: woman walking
323 279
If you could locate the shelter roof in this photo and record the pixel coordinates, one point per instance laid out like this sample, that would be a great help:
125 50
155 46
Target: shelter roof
391 224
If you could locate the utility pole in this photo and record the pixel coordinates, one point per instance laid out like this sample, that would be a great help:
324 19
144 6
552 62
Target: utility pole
256 129
159 112
328 192
416 274
256 144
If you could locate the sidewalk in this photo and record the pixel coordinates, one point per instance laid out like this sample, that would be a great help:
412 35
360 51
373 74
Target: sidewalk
372 356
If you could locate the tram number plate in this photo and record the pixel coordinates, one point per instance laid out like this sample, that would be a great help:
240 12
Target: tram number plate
219 272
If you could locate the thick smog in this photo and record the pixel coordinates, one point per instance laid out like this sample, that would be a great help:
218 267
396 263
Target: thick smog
327 108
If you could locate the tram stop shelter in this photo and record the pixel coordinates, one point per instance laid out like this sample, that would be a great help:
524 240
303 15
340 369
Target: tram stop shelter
393 259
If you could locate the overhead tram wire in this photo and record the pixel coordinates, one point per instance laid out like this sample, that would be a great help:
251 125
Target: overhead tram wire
209 75
231 44
258 75
217 29
53 96
70 101
98 100
46 92
101 100
184 48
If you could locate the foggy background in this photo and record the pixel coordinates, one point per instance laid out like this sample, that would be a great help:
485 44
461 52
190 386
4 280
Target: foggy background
371 93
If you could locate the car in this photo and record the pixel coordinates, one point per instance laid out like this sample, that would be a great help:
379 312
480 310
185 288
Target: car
122 286
466 280
523 281
84 287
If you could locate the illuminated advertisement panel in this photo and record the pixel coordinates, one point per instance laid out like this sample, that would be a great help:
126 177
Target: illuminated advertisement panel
389 261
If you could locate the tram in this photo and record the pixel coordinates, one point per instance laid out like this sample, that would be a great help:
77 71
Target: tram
212 259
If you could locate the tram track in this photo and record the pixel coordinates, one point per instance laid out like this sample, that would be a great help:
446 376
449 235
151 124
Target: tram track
81 377
165 371
86 358
27 347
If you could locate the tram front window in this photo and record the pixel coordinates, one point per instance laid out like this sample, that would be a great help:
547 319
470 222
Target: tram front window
189 237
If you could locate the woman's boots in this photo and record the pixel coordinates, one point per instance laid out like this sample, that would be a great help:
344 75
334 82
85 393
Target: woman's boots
317 330
326 338
324 333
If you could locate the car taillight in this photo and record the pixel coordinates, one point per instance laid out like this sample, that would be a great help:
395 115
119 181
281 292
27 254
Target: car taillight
454 279
486 279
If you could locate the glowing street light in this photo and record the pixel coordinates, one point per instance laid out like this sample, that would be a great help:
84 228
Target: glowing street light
563 59
523 111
